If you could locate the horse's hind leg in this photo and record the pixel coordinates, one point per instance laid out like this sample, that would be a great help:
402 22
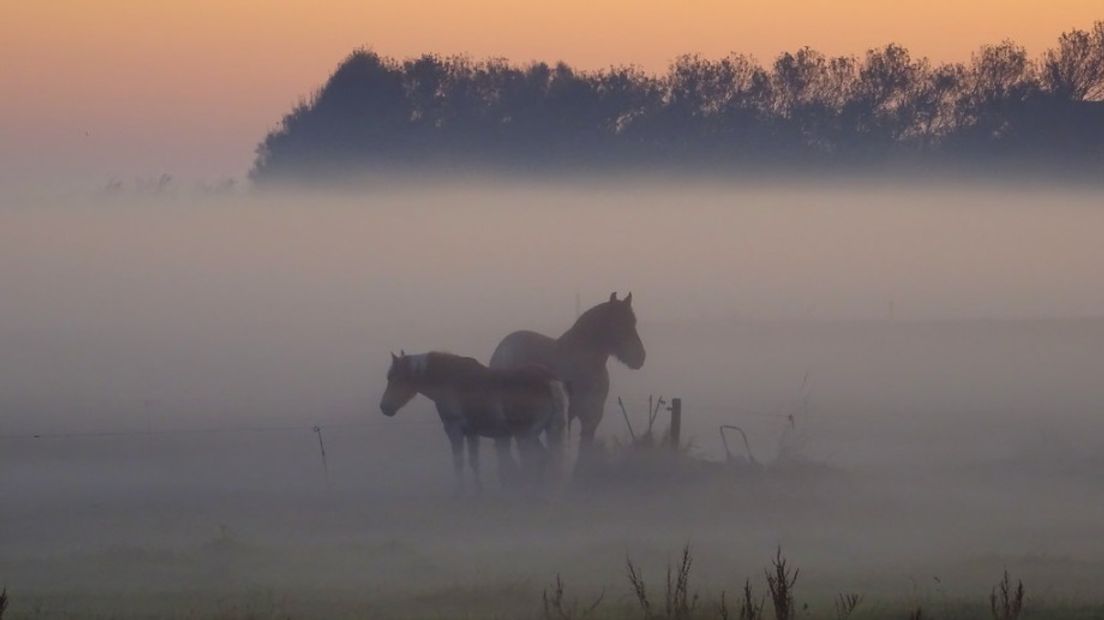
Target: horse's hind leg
473 461
456 442
507 469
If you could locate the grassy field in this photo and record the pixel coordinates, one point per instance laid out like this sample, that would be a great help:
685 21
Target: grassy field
607 548
669 592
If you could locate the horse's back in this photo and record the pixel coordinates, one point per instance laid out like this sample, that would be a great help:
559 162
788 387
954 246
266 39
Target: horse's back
526 378
524 348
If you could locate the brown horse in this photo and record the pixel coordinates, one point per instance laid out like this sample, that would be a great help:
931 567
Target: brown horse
474 401
579 356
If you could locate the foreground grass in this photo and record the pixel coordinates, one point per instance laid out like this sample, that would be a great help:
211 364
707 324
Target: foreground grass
775 595
505 602
676 600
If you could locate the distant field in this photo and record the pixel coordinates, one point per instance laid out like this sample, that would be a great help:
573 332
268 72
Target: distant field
908 510
165 366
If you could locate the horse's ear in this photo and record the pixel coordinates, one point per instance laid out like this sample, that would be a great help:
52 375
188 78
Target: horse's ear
613 296
394 358
402 352
628 299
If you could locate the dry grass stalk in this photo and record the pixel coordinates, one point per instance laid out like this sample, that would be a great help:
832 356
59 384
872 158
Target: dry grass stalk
780 582
1005 602
749 608
679 603
846 604
636 580
556 607
625 414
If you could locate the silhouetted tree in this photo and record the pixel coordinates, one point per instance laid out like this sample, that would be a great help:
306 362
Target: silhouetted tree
424 81
376 112
933 105
810 90
887 103
996 86
1075 70
714 106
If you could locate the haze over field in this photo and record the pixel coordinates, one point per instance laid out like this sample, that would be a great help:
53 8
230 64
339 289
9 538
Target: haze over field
936 345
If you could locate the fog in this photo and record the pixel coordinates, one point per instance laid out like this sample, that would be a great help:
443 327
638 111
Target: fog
929 351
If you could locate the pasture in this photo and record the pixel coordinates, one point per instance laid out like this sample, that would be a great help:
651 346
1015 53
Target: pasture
921 427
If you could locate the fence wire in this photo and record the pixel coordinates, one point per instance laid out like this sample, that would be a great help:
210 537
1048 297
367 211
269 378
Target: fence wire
305 427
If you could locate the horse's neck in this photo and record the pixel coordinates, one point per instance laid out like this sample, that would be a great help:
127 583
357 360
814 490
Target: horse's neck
580 349
433 384
437 392
442 383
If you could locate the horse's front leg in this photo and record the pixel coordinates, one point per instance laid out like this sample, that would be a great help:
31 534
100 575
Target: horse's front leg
588 409
473 460
456 442
588 404
533 457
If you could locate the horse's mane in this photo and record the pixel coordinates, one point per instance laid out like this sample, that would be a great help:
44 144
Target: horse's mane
445 363
592 323
590 318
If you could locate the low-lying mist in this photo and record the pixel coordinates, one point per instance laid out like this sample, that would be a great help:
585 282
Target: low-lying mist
930 351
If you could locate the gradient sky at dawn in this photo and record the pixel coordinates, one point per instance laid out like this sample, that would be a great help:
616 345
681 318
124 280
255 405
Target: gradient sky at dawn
96 89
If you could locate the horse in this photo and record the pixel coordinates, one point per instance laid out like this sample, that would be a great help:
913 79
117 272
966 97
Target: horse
475 401
578 357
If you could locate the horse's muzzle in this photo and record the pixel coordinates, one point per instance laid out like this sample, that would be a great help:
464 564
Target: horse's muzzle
388 411
634 359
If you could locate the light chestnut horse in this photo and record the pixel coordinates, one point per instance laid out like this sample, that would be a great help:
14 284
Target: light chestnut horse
474 401
578 357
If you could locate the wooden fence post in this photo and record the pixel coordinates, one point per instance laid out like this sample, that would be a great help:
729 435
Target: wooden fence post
676 423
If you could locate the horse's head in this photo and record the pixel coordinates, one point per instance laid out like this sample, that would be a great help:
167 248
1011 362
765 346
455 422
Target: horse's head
619 330
401 383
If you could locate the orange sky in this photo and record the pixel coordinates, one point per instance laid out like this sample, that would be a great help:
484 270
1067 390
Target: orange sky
125 88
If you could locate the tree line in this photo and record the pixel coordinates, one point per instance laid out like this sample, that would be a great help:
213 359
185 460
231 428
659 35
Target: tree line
887 105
